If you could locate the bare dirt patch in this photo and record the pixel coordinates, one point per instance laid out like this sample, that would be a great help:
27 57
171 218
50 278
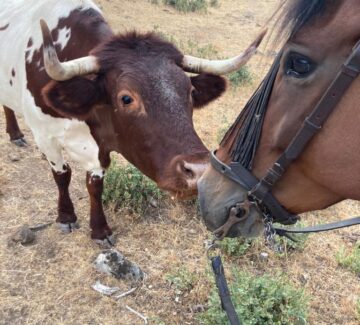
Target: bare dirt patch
50 281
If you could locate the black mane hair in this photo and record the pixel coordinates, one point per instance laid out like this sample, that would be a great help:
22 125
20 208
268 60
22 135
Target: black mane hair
297 13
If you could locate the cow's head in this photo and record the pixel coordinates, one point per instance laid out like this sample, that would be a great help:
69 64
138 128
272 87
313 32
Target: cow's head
134 94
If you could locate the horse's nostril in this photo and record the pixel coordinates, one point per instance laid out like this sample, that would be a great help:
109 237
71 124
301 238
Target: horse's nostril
240 213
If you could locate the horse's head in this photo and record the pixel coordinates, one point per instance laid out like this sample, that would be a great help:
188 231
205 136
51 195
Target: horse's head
322 35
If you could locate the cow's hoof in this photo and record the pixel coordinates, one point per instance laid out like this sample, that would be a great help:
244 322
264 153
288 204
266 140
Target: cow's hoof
107 242
21 142
68 227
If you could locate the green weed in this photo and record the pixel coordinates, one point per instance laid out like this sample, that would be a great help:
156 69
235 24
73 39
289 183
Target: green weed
259 300
350 260
222 131
236 246
288 245
241 77
128 188
182 279
187 5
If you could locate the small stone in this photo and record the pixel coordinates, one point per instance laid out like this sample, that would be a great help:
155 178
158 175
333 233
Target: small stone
153 202
14 157
263 257
198 309
150 286
304 278
177 299
192 231
23 235
113 263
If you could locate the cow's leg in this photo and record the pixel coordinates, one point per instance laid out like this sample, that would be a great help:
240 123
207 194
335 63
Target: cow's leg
100 231
66 213
62 176
12 128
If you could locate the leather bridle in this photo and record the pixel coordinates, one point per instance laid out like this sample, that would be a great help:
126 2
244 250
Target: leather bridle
259 191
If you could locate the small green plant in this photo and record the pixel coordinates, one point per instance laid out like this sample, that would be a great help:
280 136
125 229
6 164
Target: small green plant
358 308
350 260
289 245
182 279
259 300
221 132
128 188
156 321
241 77
187 5
203 51
236 246
214 3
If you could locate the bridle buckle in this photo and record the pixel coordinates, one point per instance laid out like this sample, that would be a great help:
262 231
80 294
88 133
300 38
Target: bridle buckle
243 208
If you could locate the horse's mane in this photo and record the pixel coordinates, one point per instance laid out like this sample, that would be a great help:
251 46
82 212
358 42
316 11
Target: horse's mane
294 14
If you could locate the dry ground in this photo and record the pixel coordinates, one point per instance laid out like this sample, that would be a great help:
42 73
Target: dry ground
49 282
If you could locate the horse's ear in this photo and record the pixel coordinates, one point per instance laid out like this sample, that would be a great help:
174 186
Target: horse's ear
207 87
73 98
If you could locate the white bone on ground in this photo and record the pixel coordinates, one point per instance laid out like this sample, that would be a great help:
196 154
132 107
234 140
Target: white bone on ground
105 290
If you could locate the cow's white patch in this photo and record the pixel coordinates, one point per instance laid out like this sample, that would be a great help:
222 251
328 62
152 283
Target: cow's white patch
63 37
52 135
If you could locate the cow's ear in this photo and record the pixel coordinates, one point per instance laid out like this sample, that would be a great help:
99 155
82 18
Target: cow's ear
73 98
207 87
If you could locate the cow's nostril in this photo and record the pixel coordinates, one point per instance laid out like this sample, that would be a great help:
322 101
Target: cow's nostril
188 172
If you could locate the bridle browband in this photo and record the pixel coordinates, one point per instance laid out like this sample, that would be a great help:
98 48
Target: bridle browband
259 191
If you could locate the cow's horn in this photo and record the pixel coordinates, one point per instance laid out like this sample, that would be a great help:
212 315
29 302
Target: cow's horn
61 71
221 67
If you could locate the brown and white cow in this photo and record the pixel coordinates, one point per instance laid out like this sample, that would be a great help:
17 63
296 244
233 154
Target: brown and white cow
127 93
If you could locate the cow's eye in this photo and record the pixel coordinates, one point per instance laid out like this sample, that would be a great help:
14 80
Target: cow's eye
298 66
127 100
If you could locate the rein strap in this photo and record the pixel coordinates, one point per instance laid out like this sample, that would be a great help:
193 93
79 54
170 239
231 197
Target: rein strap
318 228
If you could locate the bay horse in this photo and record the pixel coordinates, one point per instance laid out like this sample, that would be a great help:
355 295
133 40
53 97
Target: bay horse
320 47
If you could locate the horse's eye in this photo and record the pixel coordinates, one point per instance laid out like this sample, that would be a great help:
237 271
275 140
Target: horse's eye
298 66
127 100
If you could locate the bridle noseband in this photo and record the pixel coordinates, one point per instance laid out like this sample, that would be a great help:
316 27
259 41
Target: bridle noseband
259 191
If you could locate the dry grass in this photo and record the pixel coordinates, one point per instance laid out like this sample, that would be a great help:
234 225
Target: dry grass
49 282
